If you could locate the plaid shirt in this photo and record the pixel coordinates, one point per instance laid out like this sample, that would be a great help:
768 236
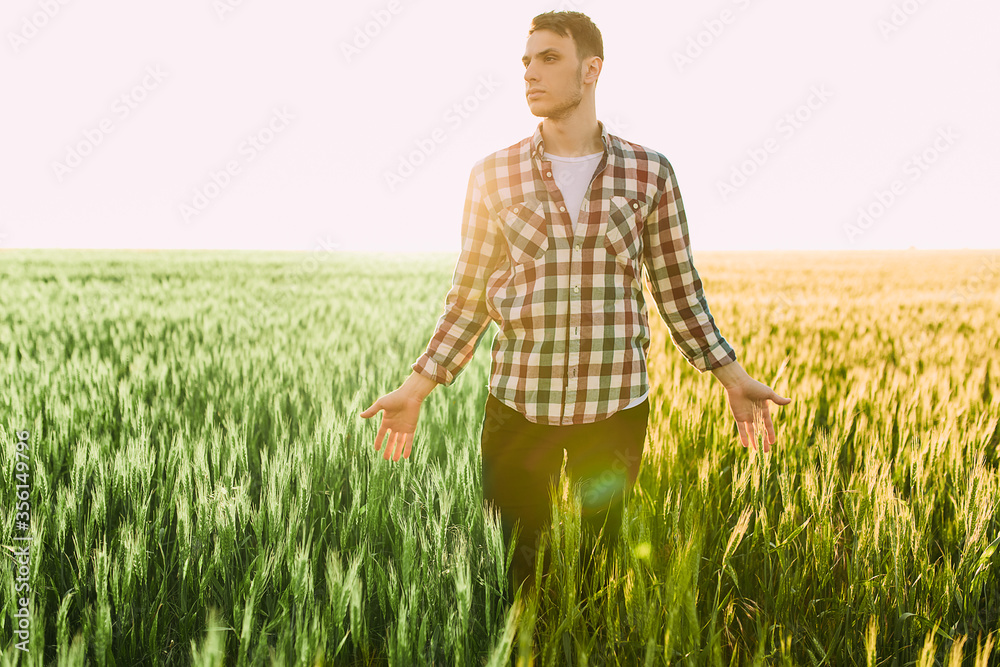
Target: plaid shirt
574 332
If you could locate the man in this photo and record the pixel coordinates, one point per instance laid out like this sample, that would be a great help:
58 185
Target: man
557 232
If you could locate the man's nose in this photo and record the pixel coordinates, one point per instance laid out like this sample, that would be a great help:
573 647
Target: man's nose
529 74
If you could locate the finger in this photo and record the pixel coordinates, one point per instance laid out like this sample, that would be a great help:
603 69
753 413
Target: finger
409 445
369 411
390 451
742 428
393 445
780 400
771 438
752 434
388 446
400 446
381 436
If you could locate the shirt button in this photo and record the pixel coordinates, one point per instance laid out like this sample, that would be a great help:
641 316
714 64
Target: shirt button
577 246
562 208
515 209
548 173
635 205
576 288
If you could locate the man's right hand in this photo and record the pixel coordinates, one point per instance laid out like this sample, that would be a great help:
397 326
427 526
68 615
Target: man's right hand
402 410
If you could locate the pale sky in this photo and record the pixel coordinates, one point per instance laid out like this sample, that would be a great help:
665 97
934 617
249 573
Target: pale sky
254 124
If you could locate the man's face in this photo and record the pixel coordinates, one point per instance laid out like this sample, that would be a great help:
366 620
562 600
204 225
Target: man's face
554 71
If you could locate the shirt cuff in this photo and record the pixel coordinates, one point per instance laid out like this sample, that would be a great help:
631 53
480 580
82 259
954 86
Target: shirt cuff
720 355
432 370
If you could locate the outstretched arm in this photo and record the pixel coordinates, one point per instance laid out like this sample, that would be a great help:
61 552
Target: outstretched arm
676 286
458 330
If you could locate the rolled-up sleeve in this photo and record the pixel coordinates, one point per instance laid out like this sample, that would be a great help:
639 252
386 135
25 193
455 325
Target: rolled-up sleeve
674 281
465 316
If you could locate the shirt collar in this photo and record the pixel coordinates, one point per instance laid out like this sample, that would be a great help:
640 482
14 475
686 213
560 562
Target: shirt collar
538 145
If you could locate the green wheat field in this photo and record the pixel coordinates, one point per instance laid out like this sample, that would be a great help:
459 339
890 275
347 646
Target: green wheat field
203 491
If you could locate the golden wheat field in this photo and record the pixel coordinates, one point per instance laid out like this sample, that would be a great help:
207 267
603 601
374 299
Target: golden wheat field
183 452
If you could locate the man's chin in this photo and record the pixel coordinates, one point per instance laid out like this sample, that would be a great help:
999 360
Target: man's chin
539 111
552 111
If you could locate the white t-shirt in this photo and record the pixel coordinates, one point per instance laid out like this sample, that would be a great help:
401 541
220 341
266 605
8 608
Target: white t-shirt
572 176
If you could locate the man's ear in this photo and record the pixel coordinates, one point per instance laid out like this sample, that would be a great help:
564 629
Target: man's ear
593 69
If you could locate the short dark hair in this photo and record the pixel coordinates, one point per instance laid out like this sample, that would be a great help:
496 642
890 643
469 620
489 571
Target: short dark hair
581 30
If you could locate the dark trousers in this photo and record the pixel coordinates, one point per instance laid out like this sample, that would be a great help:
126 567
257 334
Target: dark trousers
521 457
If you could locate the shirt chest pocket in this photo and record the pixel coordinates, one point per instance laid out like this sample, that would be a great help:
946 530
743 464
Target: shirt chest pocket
623 235
525 228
